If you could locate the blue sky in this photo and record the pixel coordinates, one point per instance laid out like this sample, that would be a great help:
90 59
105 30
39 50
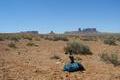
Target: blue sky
59 15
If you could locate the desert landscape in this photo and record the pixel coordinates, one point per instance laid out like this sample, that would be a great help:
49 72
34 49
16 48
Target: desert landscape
42 57
59 39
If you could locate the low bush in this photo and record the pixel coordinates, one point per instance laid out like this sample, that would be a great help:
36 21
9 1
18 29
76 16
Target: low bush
31 44
56 38
12 45
109 42
27 36
118 39
15 38
112 58
77 48
62 38
1 39
89 38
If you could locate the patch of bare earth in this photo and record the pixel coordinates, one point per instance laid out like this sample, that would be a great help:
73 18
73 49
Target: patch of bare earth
34 62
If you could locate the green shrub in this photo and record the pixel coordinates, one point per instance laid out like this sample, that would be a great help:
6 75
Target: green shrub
1 39
10 36
109 42
27 36
118 39
89 38
77 48
31 44
15 38
62 38
56 38
112 58
12 45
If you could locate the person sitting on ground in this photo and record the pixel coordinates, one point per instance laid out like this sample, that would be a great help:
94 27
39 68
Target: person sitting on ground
71 57
73 65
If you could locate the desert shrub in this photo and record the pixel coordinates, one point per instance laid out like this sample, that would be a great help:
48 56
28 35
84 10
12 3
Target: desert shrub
15 38
27 36
56 38
109 42
48 38
118 39
112 58
1 39
55 56
31 44
9 36
7 49
12 45
62 38
89 38
77 48
37 38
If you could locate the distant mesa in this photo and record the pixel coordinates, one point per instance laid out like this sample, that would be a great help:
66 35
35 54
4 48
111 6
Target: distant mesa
79 31
30 32
89 30
85 30
51 33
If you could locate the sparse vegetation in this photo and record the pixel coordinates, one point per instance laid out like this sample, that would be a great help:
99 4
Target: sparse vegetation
37 39
27 36
89 38
62 38
31 44
12 45
56 38
112 58
1 39
109 42
41 55
118 39
15 38
7 49
77 48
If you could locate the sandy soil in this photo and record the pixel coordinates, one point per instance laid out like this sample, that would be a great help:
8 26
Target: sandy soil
35 63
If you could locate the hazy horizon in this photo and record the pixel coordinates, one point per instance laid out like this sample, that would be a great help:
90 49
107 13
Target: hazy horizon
59 15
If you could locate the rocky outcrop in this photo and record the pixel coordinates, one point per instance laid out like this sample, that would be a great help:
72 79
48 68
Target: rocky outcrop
52 33
89 30
85 30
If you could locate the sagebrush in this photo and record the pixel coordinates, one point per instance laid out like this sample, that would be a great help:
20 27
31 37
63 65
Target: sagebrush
110 42
31 44
112 58
77 48
12 45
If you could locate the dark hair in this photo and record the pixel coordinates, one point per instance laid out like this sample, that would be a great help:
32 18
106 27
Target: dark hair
71 58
